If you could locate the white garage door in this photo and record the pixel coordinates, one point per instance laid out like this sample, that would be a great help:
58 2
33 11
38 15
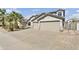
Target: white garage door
50 26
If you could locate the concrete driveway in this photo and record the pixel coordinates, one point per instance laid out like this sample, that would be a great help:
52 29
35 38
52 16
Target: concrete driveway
29 39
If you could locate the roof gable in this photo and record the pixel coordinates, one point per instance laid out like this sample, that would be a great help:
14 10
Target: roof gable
43 15
38 16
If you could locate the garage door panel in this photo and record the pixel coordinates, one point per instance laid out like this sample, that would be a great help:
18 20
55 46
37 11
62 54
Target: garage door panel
50 26
35 26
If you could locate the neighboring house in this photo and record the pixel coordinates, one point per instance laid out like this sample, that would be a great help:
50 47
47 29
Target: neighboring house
72 24
52 21
77 25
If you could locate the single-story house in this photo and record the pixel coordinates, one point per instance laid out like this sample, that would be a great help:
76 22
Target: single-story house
72 24
51 21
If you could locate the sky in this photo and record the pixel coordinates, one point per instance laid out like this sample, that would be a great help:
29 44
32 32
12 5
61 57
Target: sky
30 11
69 12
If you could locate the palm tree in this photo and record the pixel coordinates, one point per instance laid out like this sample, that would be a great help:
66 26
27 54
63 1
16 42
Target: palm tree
18 19
14 20
2 15
11 21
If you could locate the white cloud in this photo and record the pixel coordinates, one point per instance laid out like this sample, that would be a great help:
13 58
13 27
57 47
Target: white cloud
17 10
77 11
8 10
75 16
12 9
66 12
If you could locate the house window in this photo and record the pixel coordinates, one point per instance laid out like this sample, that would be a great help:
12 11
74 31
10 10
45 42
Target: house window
29 24
59 14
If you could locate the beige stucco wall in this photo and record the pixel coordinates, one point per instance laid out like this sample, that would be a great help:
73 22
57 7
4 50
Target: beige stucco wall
49 18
